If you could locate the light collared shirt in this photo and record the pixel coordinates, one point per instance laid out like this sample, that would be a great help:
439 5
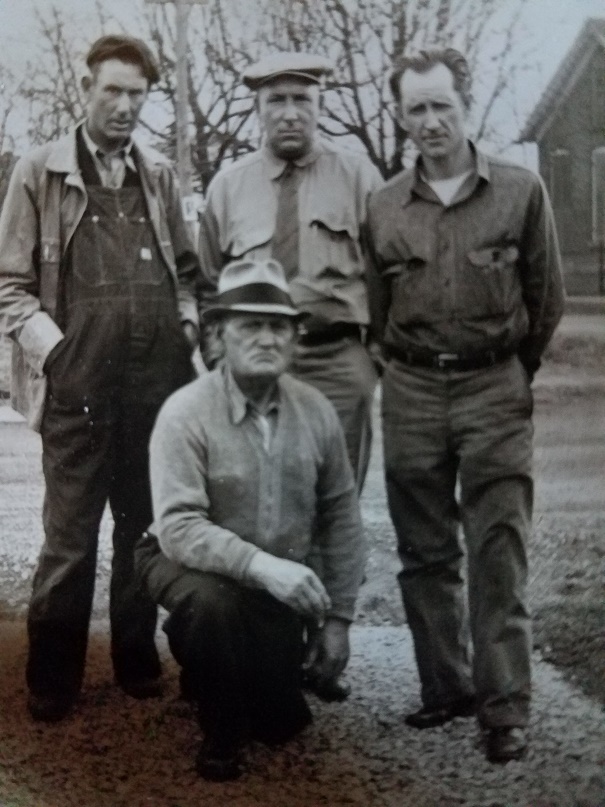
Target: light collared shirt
111 165
221 493
242 407
482 273
239 220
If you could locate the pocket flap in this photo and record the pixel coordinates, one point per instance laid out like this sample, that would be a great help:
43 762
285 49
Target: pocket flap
493 256
248 239
336 223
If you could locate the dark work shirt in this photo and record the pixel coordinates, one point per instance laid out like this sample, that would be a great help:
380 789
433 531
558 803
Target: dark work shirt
479 274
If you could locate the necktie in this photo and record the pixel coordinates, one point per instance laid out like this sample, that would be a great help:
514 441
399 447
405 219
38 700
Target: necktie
284 246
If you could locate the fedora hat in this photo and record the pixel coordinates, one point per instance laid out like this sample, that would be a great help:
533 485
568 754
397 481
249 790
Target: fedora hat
252 287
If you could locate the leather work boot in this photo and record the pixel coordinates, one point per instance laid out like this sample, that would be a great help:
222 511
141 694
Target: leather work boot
430 716
505 743
218 760
50 708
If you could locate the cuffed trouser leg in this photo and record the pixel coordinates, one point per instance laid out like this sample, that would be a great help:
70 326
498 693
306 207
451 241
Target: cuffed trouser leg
420 476
344 372
75 462
240 650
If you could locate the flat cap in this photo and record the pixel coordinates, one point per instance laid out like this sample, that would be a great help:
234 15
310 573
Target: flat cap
306 66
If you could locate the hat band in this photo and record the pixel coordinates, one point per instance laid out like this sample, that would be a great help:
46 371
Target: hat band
260 293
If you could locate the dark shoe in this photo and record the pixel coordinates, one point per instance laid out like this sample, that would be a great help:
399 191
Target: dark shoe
218 761
328 691
505 743
142 688
186 690
49 708
430 716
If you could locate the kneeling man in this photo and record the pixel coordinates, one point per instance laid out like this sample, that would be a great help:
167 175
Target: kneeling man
251 482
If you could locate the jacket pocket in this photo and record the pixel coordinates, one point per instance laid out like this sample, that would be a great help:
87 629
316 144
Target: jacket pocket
492 284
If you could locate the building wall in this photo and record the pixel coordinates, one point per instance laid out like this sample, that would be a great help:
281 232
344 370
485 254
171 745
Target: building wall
565 156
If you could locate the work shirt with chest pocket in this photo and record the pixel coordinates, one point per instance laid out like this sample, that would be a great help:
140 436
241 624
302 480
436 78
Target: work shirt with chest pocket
482 273
239 221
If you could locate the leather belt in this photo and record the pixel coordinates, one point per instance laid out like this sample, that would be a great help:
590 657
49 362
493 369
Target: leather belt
331 333
448 361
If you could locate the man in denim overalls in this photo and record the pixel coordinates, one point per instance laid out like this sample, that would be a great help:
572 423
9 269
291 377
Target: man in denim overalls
96 290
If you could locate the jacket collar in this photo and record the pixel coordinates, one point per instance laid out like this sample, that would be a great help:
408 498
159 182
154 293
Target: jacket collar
412 183
63 159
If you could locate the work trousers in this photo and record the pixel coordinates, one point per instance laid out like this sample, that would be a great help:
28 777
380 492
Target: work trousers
343 371
123 353
472 429
240 650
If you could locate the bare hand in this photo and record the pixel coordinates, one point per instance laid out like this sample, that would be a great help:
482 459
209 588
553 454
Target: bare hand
328 654
291 583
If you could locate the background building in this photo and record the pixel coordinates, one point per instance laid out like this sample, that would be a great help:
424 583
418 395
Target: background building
568 125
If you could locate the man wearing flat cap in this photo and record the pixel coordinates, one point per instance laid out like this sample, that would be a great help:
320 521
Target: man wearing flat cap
250 478
301 200
96 291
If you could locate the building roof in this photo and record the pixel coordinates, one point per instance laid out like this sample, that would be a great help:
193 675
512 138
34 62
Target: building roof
590 38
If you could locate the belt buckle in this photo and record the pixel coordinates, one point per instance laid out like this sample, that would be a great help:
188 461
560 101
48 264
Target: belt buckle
444 359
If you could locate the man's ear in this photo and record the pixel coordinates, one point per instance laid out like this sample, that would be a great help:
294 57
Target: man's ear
86 83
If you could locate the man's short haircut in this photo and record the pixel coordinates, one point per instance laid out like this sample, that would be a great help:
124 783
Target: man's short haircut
127 49
425 60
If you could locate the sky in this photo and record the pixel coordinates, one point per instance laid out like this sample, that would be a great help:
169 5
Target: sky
549 28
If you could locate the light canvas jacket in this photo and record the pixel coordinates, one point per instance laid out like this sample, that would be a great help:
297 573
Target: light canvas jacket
45 203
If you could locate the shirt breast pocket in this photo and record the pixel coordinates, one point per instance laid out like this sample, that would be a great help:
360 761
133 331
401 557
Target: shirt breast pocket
333 250
493 284
249 241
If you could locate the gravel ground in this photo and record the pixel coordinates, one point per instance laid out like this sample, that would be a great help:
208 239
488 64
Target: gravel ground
115 751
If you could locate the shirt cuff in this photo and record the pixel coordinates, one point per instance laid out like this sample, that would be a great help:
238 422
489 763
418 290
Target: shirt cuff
38 337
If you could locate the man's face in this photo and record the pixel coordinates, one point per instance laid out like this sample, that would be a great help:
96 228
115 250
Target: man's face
116 93
258 347
432 112
288 110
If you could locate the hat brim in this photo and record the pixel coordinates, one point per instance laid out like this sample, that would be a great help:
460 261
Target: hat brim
218 311
254 82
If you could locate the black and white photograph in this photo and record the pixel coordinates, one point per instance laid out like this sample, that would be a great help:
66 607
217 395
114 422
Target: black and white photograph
302 403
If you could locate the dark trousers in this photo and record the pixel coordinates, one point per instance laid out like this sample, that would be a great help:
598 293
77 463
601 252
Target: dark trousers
240 650
472 429
105 389
343 371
